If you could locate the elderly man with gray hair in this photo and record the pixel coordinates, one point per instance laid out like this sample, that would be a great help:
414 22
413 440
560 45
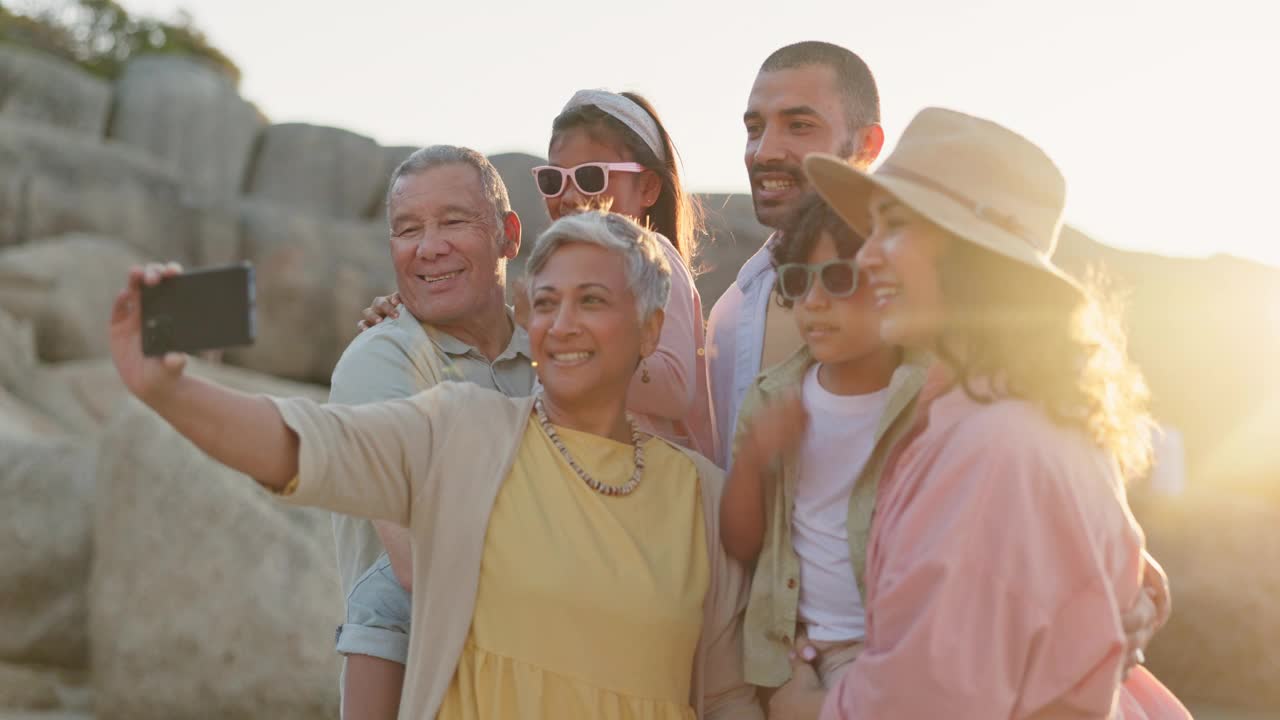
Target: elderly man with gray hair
452 232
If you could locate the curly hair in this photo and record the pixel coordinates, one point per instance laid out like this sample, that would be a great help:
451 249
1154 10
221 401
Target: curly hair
1040 340
800 232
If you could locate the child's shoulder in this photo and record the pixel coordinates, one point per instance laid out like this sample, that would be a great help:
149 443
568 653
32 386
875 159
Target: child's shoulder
786 374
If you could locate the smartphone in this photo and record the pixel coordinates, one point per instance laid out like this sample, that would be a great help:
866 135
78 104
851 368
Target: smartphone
201 309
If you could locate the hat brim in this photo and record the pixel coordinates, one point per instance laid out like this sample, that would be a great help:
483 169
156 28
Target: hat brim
848 191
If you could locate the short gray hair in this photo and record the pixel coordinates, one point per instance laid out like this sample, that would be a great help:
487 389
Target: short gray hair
420 161
648 272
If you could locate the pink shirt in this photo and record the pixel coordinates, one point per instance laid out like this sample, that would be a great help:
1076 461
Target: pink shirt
676 404
1001 554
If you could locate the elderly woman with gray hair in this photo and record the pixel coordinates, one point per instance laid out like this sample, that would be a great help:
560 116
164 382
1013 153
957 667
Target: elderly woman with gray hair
572 565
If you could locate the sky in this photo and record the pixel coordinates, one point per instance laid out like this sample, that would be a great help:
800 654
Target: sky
1163 116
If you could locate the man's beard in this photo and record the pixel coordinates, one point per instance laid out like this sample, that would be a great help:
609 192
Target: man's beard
797 176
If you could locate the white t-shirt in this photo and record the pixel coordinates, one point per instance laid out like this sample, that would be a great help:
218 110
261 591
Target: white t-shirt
838 442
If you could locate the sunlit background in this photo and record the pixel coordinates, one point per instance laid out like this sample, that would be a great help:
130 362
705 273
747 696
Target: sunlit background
1162 114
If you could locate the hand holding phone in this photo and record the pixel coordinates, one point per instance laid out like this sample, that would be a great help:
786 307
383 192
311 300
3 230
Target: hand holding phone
198 310
149 378
150 361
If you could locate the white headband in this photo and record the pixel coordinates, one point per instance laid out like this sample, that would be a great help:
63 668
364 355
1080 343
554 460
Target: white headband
625 111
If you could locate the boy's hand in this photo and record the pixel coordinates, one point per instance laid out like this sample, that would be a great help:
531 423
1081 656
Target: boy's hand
778 427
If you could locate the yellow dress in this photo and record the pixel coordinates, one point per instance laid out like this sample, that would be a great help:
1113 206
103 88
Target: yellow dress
588 606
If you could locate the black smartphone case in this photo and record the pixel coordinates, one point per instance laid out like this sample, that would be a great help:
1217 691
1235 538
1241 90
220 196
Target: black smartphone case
199 310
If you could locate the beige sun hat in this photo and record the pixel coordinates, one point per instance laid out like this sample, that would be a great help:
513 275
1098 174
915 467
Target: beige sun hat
976 179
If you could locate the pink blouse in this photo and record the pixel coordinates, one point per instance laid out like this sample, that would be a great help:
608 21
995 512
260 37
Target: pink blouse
675 404
1001 554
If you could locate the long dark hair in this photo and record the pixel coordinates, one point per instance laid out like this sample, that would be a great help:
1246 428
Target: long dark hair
676 214
1042 341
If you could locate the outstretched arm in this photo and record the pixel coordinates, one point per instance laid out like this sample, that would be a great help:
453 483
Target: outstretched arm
244 432
353 460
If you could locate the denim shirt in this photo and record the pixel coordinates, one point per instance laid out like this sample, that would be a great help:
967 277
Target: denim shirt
735 336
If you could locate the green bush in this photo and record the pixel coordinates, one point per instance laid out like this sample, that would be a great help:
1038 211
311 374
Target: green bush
101 36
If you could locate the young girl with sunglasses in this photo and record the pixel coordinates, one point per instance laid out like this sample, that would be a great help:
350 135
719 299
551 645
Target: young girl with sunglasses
794 504
611 149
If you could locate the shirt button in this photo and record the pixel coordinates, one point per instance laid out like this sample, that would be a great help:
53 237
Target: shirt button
791 583
701 352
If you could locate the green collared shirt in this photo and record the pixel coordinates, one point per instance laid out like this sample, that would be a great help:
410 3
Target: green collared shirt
775 589
511 373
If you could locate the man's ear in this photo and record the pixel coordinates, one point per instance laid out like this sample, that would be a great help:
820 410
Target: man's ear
870 142
511 235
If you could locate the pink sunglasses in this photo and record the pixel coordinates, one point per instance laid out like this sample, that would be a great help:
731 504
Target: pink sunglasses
591 178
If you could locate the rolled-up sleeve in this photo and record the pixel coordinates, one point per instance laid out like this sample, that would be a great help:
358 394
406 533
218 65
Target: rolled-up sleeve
995 600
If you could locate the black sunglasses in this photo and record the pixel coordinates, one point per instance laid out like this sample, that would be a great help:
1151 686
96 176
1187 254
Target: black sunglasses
839 278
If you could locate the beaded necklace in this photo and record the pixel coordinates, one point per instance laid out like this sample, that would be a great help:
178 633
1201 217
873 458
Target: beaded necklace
611 490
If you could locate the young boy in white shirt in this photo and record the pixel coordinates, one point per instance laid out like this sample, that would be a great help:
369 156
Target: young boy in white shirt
811 437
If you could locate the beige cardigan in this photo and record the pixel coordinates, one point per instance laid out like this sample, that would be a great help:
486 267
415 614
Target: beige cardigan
434 463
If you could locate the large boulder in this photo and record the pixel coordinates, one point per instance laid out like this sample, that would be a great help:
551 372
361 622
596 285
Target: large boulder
189 116
50 422
47 90
20 419
391 159
17 350
324 171
65 288
207 597
69 183
44 689
83 396
13 201
79 396
215 234
312 278
1222 555
46 497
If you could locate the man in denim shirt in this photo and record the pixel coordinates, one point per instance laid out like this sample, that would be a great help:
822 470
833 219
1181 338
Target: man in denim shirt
808 97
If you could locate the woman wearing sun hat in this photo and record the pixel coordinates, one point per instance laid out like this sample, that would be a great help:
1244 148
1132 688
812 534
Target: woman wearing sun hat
1002 550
